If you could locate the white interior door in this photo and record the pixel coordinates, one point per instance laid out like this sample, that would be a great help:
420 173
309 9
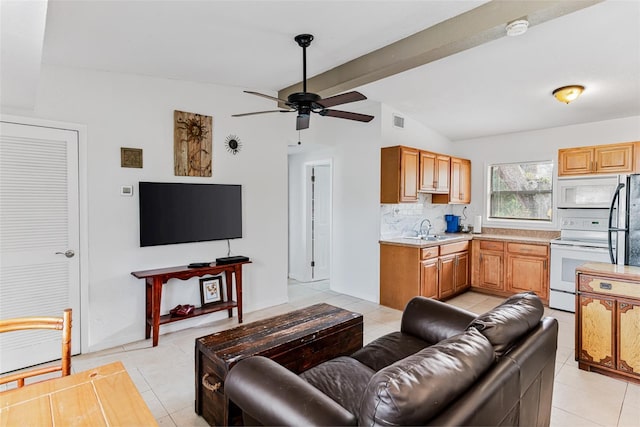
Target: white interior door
39 238
319 221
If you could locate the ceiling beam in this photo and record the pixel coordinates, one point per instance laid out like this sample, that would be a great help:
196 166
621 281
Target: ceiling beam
470 29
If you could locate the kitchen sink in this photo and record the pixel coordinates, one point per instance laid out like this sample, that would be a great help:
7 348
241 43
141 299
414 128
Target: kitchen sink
432 238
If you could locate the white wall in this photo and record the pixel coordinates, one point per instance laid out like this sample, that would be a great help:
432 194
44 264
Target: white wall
122 110
535 145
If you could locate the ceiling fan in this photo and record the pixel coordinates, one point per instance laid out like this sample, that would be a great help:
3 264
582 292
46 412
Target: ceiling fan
305 103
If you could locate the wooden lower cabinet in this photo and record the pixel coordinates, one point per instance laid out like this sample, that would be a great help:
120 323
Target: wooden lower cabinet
453 274
488 265
437 272
527 268
608 325
508 267
429 278
400 275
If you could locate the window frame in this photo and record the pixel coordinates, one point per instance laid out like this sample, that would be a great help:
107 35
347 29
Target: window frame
520 222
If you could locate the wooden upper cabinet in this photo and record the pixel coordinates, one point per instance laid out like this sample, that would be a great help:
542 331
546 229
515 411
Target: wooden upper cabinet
428 171
442 173
399 174
598 159
575 161
460 183
614 158
434 172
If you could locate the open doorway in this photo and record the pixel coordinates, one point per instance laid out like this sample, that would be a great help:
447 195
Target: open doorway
310 213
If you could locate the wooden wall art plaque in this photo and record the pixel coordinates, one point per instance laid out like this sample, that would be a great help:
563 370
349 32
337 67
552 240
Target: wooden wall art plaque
130 157
192 144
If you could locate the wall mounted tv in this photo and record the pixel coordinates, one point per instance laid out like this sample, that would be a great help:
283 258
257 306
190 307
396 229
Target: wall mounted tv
182 213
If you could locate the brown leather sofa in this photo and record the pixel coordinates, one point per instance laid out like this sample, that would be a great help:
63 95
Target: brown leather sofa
446 366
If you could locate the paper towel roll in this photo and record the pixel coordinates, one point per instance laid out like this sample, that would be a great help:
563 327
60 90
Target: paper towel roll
477 224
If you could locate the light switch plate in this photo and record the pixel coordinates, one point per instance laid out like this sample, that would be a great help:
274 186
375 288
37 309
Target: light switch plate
126 190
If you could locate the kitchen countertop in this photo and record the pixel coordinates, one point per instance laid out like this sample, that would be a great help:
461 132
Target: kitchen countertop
460 237
626 272
416 243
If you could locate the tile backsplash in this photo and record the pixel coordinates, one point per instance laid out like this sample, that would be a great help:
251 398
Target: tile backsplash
404 219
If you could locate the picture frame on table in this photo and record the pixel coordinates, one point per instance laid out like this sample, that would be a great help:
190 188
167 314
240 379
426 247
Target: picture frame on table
211 290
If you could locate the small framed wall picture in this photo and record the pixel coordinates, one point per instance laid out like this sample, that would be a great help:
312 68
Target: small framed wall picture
130 157
211 290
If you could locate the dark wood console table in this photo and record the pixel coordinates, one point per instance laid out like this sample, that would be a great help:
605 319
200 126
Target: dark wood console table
156 278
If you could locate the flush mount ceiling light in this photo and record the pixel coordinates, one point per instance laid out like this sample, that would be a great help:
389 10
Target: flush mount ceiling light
567 94
517 27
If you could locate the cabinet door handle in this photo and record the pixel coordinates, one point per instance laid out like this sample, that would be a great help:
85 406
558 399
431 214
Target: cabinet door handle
545 264
480 257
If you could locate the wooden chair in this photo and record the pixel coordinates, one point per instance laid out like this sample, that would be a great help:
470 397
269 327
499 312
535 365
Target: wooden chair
57 323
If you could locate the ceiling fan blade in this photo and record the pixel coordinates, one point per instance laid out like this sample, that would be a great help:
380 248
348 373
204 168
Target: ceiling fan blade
262 112
302 122
273 98
346 115
343 98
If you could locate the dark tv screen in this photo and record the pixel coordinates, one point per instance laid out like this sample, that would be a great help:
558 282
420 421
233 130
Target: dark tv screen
181 213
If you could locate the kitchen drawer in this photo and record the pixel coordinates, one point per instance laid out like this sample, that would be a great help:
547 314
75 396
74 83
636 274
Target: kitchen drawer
452 248
600 285
430 252
491 245
527 249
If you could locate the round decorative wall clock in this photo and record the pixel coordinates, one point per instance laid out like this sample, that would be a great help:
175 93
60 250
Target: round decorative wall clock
233 144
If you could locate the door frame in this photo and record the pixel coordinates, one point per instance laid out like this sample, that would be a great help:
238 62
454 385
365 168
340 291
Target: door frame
83 211
308 166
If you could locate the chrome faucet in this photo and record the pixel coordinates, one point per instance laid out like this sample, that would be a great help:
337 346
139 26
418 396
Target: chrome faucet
428 228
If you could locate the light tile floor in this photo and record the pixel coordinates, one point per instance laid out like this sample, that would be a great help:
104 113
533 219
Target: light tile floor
165 374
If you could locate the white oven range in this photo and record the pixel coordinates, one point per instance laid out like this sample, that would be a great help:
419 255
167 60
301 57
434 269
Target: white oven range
582 239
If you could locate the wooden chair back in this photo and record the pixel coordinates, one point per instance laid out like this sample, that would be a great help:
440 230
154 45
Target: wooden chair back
57 323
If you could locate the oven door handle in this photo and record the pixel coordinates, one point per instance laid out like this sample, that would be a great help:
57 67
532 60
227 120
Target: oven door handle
612 230
578 248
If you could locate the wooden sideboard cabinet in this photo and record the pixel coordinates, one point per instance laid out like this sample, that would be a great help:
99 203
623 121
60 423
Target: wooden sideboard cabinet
608 320
598 159
399 174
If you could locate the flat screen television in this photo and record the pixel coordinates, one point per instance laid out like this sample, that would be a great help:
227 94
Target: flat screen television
181 213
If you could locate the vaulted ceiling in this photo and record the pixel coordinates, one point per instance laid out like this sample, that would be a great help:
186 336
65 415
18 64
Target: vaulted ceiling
490 84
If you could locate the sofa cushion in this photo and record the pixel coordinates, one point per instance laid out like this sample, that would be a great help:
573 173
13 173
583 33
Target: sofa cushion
343 379
388 349
415 389
504 324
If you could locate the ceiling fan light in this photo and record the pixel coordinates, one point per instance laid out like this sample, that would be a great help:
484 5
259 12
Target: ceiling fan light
567 94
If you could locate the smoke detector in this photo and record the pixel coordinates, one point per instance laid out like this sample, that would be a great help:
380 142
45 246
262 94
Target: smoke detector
517 27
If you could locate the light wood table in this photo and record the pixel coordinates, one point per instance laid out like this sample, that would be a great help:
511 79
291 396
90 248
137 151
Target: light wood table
103 396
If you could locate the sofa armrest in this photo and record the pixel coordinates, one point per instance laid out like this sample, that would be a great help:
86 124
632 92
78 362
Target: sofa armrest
272 395
434 321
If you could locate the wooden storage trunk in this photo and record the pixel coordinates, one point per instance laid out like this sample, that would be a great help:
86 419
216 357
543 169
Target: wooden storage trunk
298 340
